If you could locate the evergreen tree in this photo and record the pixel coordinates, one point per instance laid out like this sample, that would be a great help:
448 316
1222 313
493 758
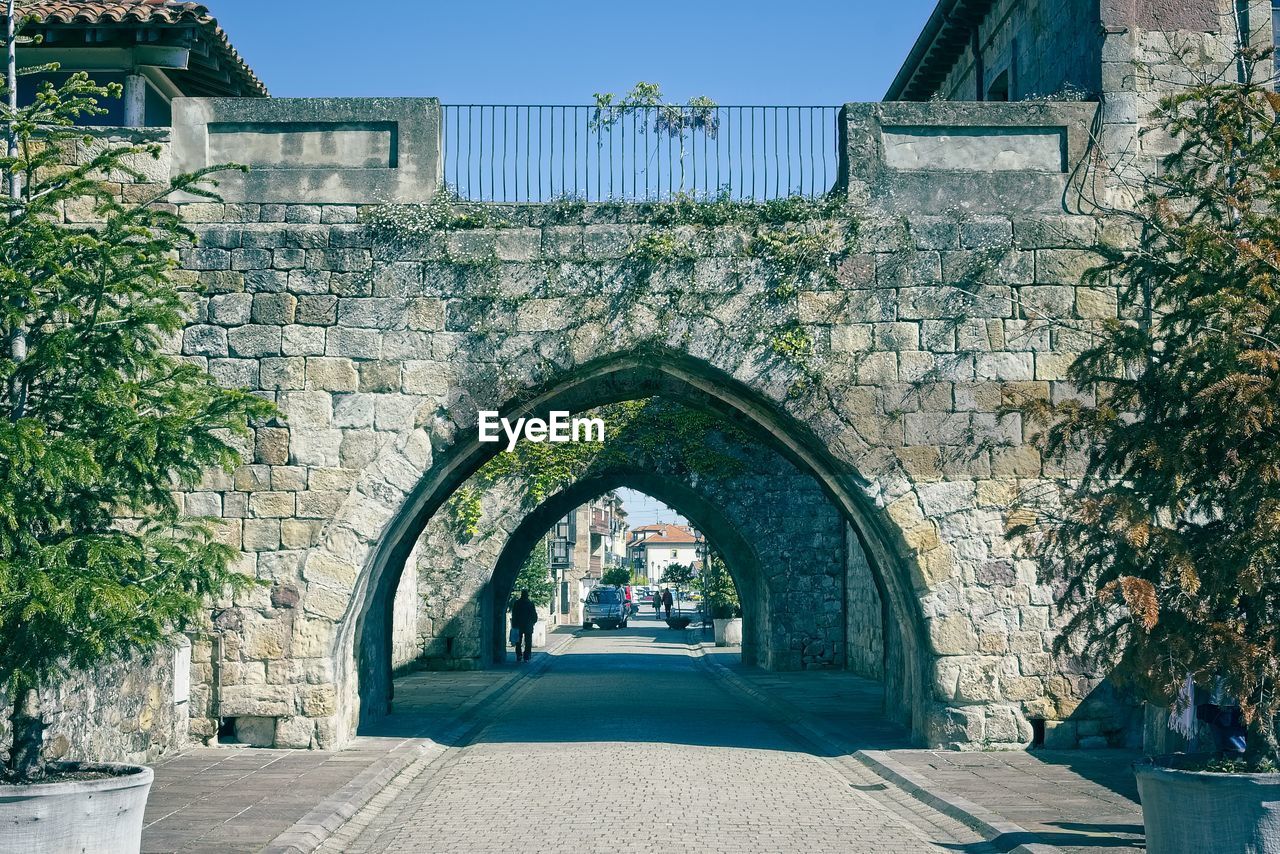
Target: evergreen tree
1164 547
100 426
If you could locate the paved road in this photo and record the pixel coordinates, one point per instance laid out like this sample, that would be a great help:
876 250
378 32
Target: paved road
626 743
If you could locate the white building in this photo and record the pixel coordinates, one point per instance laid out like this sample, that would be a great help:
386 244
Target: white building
655 547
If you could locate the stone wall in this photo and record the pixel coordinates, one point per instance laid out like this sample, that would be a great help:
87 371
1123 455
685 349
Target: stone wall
793 532
119 712
864 617
1043 47
381 359
405 644
380 349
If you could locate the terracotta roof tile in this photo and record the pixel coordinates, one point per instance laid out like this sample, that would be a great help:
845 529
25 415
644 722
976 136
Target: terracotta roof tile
665 534
163 12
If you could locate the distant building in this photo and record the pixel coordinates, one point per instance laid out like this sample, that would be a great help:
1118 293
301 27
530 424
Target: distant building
581 547
157 50
652 548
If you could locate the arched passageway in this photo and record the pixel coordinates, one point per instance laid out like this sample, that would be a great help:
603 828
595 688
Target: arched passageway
367 626
739 554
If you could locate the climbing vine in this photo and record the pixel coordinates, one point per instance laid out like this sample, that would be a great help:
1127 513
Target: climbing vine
648 431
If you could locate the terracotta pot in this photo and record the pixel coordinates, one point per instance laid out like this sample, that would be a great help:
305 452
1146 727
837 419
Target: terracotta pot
83 816
1195 811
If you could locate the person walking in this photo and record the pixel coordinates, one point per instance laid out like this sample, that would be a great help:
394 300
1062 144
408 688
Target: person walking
667 601
524 614
657 604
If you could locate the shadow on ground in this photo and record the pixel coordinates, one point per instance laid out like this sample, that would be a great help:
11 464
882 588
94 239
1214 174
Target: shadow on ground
610 680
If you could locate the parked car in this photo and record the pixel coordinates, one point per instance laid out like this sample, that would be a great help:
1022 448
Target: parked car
606 607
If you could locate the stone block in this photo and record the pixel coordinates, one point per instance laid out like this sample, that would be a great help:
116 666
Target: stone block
317 310
1064 266
379 376
271 446
277 309
255 731
250 259
230 309
1004 366
316 447
254 341
265 281
205 259
204 341
354 343
302 340
234 373
288 259
261 535
934 232
953 635
353 410
986 233
328 373
279 505
339 260
600 242
294 732
1096 303
283 373
307 282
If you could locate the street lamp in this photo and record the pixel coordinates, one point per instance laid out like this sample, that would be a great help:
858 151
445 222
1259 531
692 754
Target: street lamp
700 549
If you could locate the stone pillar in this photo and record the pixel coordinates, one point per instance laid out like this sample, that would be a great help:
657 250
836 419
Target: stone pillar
135 101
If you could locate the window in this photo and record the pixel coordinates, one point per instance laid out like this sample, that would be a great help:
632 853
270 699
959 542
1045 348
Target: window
675 553
999 89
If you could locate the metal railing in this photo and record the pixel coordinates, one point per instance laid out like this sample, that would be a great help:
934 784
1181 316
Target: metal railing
544 153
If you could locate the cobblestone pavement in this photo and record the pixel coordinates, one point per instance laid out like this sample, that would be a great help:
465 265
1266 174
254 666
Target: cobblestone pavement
1079 801
626 743
234 800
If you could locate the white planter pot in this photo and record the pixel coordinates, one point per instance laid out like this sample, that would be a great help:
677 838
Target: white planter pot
84 817
1193 811
728 632
539 634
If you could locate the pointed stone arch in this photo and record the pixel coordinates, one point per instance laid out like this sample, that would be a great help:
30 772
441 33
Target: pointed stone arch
366 545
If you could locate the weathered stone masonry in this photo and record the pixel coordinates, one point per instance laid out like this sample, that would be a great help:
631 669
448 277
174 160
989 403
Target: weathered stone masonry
786 553
370 346
379 352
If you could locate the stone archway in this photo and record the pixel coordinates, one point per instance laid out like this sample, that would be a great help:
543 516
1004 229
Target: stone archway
740 557
361 648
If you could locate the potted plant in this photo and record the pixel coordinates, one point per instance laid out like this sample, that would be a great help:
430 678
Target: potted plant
678 576
98 428
721 596
1162 539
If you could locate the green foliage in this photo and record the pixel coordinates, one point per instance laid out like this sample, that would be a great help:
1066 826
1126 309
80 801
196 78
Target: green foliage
535 576
98 421
617 576
678 575
1165 547
674 120
717 588
649 429
446 211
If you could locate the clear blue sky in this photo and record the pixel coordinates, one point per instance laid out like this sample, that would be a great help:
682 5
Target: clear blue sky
561 51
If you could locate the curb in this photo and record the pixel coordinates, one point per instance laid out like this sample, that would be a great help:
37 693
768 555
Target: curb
986 823
313 829
981 819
